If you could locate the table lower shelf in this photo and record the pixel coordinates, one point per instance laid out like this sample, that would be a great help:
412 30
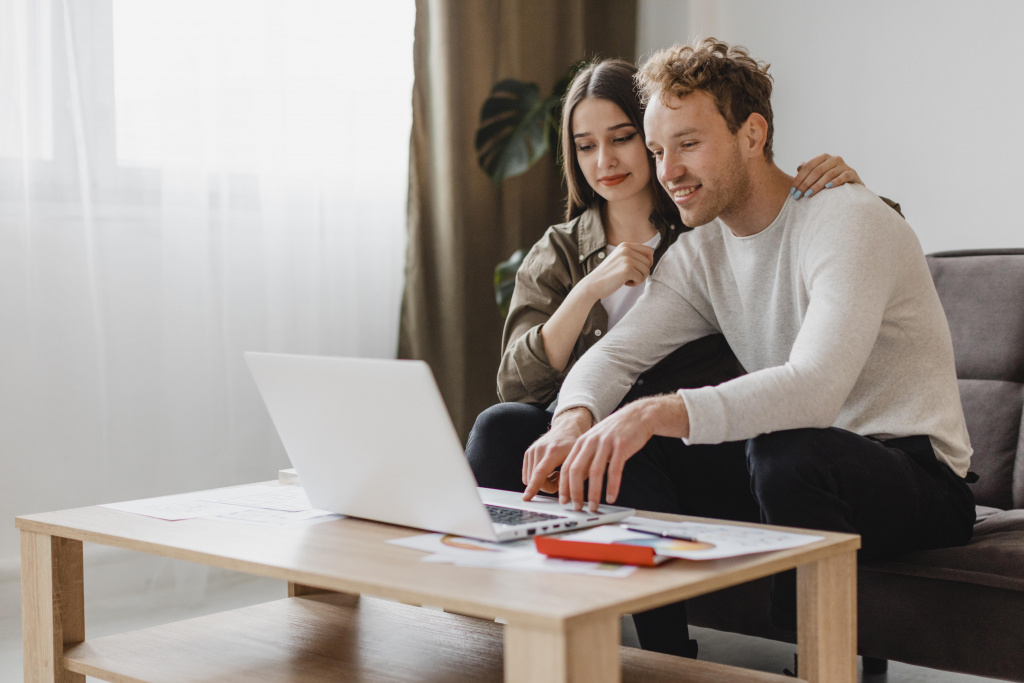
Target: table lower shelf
334 637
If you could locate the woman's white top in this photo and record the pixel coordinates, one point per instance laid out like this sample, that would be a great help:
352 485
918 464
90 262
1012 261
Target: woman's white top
622 299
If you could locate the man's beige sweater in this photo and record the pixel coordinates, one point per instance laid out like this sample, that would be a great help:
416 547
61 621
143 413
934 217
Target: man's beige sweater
832 311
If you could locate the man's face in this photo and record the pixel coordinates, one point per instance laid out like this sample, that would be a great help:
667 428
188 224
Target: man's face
699 162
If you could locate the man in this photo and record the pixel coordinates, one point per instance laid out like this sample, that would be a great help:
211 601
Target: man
849 418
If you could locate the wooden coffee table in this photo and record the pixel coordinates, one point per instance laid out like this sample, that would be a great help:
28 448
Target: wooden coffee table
558 627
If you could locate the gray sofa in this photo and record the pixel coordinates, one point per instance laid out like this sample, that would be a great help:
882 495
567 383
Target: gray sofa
958 609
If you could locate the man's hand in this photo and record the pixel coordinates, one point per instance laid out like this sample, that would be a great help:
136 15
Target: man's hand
610 443
548 452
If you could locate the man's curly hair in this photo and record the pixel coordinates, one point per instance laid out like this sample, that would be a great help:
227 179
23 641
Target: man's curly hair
739 84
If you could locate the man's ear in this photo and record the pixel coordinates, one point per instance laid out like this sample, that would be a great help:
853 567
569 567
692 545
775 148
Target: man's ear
754 134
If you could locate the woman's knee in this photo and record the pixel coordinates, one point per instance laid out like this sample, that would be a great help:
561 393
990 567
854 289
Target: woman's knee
500 436
508 414
508 423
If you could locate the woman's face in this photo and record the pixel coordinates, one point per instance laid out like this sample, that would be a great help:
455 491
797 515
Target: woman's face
610 150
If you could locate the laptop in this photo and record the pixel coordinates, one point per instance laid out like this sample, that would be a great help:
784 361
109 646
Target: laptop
373 439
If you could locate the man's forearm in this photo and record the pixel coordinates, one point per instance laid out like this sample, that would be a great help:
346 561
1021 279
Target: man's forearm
659 323
579 417
665 415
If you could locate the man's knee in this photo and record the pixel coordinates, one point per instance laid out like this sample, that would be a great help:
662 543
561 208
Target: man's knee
778 459
784 449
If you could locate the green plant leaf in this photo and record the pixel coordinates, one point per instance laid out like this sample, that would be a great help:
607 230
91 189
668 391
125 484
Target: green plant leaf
512 134
505 280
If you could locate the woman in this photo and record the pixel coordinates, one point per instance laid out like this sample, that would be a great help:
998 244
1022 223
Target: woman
619 222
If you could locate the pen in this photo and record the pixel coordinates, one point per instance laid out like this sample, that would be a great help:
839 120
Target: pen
664 533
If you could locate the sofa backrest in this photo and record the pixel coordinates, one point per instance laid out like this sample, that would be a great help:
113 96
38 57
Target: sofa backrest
982 292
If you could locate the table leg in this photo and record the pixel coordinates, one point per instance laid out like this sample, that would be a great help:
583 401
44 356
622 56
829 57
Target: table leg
827 619
583 650
52 605
298 590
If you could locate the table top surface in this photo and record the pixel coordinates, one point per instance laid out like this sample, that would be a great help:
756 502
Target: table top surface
351 555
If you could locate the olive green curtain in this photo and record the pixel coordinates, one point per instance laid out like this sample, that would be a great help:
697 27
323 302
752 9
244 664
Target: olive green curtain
460 224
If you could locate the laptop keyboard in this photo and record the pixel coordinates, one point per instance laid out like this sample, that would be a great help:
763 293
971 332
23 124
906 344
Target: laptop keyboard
503 515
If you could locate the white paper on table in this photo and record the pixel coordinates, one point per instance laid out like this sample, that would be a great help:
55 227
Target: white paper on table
728 540
521 555
269 497
173 508
447 543
217 502
538 563
278 518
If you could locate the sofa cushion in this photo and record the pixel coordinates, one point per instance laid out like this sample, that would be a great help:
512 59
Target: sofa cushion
993 413
994 557
941 624
981 294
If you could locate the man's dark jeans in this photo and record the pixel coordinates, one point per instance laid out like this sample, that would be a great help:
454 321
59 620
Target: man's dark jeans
894 493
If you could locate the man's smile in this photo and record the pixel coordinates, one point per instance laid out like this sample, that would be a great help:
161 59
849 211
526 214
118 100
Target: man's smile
683 195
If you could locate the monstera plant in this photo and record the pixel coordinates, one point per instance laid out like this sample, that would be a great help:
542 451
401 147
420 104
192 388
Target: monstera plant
505 280
518 127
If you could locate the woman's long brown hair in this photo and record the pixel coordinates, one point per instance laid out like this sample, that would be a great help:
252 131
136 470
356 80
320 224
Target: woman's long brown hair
612 80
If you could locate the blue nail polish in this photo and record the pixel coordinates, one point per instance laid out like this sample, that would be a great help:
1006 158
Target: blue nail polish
809 192
798 194
828 185
792 191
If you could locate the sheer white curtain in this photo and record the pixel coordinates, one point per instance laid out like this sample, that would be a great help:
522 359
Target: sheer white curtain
181 181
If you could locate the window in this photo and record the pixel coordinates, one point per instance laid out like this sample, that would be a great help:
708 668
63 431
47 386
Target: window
26 121
245 85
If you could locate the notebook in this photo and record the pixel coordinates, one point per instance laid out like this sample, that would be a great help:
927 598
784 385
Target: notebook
373 439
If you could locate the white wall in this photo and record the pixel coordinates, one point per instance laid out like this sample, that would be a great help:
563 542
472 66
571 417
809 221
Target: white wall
922 97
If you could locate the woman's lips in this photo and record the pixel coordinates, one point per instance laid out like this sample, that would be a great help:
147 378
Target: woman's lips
613 179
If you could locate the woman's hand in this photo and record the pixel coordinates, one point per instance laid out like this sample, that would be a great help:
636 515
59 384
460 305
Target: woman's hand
628 264
820 173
